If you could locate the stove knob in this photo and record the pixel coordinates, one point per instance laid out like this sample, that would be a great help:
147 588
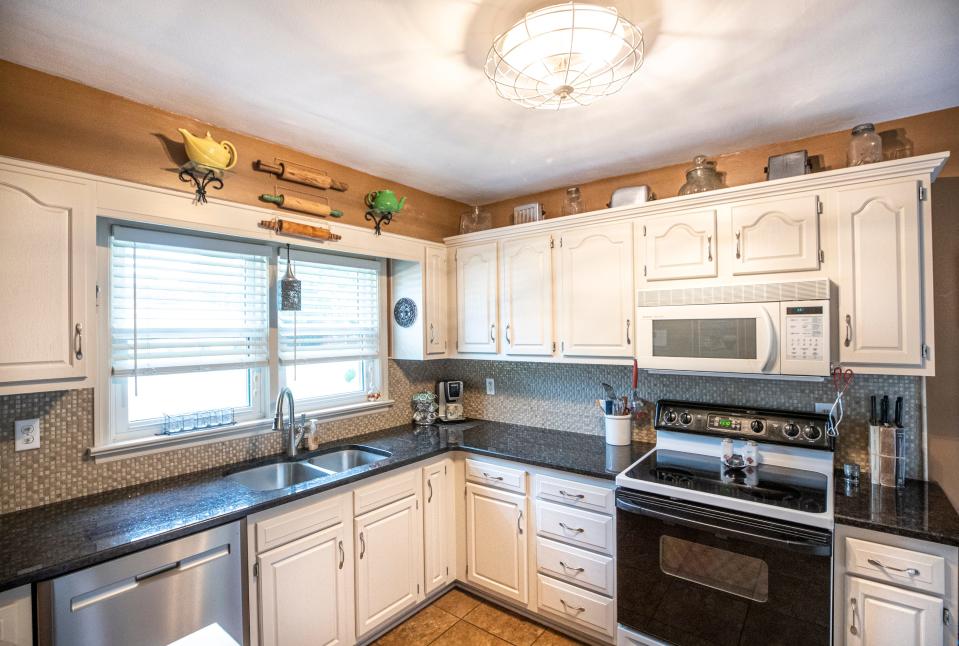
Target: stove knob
812 433
757 426
685 418
670 417
791 430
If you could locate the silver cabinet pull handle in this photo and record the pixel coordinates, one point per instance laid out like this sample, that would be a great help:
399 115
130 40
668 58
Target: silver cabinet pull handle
709 248
852 626
78 341
507 335
911 571
342 554
627 332
486 475
848 331
492 338
429 485
578 530
577 496
573 608
572 569
738 234
432 336
519 519
362 545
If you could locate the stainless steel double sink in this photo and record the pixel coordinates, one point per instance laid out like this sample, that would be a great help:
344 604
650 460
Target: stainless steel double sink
280 475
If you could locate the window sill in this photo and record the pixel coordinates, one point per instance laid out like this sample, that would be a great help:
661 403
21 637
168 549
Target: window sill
161 443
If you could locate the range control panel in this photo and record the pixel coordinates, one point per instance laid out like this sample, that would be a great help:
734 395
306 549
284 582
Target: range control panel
762 425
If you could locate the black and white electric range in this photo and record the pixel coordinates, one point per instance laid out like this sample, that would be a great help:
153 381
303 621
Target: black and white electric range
708 554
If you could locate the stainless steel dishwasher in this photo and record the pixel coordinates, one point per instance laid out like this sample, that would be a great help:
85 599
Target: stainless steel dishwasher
150 598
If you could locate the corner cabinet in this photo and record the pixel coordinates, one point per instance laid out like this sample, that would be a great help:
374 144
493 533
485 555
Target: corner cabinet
526 295
439 532
880 285
596 291
476 298
46 248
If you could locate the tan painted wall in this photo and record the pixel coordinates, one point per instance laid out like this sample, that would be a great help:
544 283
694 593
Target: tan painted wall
928 133
51 120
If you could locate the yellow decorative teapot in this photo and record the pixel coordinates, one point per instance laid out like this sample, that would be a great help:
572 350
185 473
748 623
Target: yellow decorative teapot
208 152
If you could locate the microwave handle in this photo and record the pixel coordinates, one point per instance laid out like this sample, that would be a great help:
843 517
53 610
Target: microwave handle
770 339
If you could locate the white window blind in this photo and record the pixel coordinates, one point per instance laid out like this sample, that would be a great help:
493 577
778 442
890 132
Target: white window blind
340 316
181 303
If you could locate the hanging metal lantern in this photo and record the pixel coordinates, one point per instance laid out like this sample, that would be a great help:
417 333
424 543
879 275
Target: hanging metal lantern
290 288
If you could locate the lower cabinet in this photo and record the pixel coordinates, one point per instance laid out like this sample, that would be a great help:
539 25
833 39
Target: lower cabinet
883 615
439 531
496 541
305 594
389 562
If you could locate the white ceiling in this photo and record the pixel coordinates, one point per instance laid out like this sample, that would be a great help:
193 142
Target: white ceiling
396 87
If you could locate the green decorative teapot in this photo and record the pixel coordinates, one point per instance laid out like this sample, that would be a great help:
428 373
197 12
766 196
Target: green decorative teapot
384 201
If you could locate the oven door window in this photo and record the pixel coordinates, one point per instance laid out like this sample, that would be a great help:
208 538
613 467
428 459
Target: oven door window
744 576
728 338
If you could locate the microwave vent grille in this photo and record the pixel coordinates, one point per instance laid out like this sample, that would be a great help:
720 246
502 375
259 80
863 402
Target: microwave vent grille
797 290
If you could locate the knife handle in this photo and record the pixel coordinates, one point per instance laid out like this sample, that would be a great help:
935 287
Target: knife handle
873 414
897 420
884 410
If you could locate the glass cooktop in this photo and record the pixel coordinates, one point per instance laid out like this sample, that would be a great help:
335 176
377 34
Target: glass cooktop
768 484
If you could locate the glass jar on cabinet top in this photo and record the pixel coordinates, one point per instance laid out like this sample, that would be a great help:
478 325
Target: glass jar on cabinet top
865 146
702 177
573 202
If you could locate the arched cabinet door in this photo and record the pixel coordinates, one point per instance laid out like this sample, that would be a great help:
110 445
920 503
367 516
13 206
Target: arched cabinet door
776 236
679 246
46 240
476 298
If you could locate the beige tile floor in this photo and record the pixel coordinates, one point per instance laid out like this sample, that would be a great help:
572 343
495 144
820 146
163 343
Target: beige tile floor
460 619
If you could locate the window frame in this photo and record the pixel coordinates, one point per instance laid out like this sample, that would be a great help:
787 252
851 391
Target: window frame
113 441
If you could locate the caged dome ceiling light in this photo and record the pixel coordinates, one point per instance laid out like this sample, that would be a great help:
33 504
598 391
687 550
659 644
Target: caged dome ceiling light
565 55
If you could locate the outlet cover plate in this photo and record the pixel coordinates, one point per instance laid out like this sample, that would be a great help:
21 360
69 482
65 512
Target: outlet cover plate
823 408
27 434
490 386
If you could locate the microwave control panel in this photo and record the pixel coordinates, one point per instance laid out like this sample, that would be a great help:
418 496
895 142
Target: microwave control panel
805 337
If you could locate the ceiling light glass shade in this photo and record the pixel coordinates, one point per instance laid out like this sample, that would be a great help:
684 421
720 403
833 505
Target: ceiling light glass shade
565 55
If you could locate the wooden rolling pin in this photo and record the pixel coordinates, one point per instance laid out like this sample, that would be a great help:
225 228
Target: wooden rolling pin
302 205
287 228
299 174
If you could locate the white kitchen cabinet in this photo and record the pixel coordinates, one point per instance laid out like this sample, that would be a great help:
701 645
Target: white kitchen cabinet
880 286
16 617
679 245
777 235
389 562
526 295
596 291
496 541
436 300
476 298
46 244
439 535
305 596
877 614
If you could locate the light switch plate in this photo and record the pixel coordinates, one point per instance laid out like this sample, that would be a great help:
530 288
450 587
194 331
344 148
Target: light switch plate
490 386
27 434
823 408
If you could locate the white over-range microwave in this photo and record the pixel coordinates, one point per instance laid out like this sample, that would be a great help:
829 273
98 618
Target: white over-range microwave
783 328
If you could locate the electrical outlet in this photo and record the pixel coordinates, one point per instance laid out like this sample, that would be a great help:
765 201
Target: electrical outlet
823 408
490 386
27 434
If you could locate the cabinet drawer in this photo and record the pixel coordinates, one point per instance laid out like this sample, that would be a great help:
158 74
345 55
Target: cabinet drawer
496 475
298 520
382 492
576 566
575 526
577 494
577 606
903 567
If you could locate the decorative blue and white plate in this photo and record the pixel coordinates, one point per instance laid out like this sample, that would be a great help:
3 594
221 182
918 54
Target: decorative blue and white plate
404 312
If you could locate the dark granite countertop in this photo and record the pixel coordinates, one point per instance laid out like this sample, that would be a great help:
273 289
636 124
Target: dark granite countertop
920 510
47 541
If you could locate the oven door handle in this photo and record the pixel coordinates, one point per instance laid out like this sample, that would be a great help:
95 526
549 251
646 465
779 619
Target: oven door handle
801 546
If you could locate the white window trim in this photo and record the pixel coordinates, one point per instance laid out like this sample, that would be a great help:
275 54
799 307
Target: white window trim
107 448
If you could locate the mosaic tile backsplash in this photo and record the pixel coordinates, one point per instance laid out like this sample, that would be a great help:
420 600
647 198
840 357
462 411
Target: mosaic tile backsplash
557 396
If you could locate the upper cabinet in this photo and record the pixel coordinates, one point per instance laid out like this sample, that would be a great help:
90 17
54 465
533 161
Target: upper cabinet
880 285
46 244
681 245
777 235
436 300
526 271
596 290
476 298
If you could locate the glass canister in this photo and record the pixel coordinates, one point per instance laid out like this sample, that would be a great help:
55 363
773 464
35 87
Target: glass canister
573 202
701 177
425 408
865 146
